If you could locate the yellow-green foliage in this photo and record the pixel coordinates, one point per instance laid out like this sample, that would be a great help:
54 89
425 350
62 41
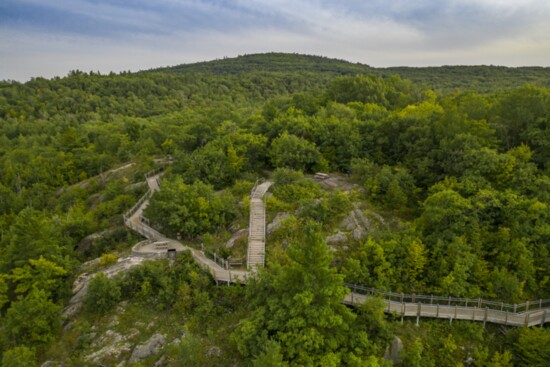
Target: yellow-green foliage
107 259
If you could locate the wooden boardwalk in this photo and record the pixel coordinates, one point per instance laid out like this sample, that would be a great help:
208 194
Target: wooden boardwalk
452 308
404 305
256 230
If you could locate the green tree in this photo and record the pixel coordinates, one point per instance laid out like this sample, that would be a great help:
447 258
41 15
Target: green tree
39 274
416 259
190 209
367 265
20 356
32 320
532 347
103 294
290 151
3 290
34 234
298 305
271 356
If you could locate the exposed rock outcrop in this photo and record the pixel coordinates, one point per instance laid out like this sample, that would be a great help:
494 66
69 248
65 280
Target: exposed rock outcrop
336 238
276 223
149 348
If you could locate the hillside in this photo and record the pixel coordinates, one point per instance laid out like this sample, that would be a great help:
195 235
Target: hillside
429 192
271 62
481 78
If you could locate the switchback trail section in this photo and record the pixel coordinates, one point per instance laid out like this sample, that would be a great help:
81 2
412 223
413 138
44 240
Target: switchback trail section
404 305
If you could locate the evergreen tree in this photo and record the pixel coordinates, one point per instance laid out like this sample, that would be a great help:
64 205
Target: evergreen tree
298 305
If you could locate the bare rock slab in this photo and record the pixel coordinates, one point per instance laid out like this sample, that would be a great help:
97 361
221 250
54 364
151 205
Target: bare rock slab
149 348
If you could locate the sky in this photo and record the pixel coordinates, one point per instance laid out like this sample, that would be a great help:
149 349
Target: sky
52 37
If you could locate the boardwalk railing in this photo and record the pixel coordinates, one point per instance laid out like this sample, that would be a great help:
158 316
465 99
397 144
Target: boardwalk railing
258 182
529 313
145 231
214 257
449 301
136 206
154 172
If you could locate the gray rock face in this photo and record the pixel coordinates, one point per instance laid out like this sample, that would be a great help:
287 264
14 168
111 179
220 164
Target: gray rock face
336 238
393 351
358 233
235 237
349 223
52 364
357 223
276 223
114 345
214 351
150 347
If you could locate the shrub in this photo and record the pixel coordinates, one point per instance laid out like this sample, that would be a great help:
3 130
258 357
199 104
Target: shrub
103 294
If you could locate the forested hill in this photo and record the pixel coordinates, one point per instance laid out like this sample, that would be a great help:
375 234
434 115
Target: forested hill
480 78
429 193
272 62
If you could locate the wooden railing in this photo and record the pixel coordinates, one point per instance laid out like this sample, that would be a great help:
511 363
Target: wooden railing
136 206
529 313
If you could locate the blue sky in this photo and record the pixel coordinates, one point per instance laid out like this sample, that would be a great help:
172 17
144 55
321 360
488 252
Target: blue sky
51 37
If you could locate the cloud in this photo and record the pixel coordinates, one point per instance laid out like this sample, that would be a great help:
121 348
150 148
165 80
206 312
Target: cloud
53 37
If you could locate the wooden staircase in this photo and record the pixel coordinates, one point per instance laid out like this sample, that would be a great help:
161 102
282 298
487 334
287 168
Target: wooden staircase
256 230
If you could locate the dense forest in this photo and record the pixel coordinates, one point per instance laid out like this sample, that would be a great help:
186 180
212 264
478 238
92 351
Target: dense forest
450 165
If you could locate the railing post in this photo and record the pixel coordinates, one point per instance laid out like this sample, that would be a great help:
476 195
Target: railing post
479 303
543 318
485 317
401 297
418 311
437 311
474 314
527 319
449 300
515 307
413 297
527 306
506 319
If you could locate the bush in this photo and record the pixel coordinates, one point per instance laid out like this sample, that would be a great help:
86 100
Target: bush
19 357
107 259
103 294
